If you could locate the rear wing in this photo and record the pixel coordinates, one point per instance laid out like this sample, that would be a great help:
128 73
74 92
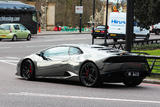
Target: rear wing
153 61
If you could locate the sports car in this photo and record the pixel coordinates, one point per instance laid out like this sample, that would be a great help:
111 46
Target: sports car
90 64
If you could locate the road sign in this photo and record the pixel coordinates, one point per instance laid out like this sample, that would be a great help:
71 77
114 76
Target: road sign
79 9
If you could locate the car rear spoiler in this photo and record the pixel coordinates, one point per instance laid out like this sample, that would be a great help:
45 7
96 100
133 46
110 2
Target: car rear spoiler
153 61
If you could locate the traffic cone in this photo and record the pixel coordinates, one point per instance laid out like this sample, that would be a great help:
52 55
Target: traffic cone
39 29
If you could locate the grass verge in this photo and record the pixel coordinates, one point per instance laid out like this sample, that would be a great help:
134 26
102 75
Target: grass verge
151 51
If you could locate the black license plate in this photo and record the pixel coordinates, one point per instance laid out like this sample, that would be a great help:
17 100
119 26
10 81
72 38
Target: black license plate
133 74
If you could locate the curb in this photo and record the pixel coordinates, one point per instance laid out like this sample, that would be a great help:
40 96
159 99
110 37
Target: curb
61 33
154 78
152 81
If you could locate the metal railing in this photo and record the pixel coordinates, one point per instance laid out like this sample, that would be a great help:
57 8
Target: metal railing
153 61
121 44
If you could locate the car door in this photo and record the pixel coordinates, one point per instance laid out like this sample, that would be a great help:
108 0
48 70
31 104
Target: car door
75 58
17 30
24 33
55 62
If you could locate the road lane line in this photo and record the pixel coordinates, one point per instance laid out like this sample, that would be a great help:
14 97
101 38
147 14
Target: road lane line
8 57
8 62
81 97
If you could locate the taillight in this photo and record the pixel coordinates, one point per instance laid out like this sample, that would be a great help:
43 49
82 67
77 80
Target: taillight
10 30
102 31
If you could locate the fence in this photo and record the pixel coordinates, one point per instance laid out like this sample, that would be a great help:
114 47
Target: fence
153 61
121 44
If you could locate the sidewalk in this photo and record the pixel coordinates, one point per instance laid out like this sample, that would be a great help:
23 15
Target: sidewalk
60 33
152 80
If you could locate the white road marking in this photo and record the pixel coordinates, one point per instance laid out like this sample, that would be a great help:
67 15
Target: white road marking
49 40
4 47
81 97
12 57
8 62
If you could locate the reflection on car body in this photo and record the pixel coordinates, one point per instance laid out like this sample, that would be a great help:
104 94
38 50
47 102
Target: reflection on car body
91 64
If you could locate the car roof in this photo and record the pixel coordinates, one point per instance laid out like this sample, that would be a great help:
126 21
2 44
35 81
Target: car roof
87 47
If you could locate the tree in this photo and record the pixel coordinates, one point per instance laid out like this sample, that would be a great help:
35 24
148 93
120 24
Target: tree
147 12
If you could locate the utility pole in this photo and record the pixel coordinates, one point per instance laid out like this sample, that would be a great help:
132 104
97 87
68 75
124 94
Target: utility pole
106 26
129 26
80 25
93 20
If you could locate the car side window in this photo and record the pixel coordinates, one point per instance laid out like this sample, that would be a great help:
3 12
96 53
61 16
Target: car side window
16 27
56 51
22 27
74 51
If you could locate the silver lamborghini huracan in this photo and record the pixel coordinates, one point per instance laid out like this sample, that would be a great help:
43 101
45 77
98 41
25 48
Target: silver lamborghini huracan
91 64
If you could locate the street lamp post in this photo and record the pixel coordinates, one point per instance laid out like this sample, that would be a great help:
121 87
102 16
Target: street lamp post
93 21
80 25
129 26
106 26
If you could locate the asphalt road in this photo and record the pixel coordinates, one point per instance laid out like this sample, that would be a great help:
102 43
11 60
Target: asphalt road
17 92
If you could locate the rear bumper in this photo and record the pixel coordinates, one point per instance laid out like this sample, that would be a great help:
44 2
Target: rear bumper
116 36
6 36
99 34
117 72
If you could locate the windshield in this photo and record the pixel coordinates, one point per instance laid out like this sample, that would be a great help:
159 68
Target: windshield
5 27
101 27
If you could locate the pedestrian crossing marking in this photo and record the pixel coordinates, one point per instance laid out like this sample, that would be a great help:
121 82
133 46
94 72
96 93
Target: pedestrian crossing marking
9 60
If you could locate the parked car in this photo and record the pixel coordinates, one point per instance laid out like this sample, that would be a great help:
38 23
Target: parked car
99 31
155 28
14 31
141 33
91 64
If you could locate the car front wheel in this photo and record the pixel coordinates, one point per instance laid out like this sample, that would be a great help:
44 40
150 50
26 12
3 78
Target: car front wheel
157 32
27 70
14 38
89 75
29 37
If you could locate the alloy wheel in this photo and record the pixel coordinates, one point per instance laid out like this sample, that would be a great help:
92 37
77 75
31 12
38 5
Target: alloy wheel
27 70
89 75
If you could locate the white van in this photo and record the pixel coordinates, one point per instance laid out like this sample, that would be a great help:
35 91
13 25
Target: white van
117 28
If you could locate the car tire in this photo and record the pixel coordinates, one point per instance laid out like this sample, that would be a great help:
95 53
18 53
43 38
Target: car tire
147 37
94 37
14 38
29 37
157 32
89 75
132 82
0 39
28 70
115 40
